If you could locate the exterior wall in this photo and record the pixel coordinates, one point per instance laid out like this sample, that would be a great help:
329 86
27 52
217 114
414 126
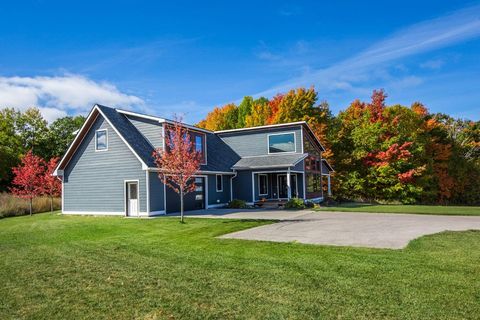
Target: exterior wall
242 186
157 200
255 143
94 181
215 197
150 129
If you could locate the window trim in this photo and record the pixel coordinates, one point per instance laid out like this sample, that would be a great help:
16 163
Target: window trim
266 176
96 140
216 182
282 133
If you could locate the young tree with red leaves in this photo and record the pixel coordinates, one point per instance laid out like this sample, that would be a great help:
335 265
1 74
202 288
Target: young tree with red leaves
51 185
27 181
179 161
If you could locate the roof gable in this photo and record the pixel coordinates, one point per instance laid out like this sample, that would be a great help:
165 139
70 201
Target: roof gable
127 132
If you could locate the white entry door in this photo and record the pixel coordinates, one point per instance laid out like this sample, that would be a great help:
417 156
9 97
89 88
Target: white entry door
132 199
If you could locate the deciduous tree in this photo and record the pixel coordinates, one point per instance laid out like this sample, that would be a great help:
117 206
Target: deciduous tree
178 162
28 178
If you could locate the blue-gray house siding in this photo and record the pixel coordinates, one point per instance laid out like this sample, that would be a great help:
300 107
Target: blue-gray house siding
94 181
218 197
255 143
150 129
157 193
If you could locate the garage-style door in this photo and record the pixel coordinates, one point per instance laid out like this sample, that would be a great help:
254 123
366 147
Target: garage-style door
192 201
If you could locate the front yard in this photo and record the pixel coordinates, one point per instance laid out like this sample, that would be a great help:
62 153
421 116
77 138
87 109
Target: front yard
417 209
68 267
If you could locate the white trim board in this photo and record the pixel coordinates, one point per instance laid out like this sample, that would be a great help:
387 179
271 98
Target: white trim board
156 213
96 213
262 127
217 205
96 140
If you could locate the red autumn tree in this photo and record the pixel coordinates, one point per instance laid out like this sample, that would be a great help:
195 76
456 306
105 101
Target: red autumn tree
27 181
51 186
179 161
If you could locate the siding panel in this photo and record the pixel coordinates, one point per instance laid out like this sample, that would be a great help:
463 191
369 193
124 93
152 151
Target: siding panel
215 197
94 181
255 143
150 129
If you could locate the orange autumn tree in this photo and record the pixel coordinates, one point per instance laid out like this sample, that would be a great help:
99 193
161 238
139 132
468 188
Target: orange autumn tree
179 161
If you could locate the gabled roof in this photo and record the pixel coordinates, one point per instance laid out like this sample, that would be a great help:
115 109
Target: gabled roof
269 161
134 140
161 120
326 167
304 124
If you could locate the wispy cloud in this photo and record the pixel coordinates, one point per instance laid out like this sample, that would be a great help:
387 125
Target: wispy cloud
55 96
422 37
433 64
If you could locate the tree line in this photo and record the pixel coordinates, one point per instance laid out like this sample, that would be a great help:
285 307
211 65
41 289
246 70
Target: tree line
380 153
21 132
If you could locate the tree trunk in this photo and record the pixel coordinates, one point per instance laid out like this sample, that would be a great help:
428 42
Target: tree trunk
30 203
51 204
181 206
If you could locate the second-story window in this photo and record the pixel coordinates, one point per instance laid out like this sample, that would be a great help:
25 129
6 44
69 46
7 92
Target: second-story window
284 142
101 140
199 145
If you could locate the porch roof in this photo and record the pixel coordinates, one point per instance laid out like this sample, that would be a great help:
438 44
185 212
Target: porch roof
269 161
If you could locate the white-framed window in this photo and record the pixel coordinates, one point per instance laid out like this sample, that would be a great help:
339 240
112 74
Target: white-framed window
219 183
262 184
281 142
101 140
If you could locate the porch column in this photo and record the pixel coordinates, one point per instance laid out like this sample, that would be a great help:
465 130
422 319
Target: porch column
289 190
329 190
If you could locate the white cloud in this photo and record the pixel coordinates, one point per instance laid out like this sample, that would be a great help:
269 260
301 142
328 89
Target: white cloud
55 96
425 36
432 64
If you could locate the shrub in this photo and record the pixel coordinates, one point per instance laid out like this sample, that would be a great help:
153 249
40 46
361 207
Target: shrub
237 204
295 203
309 204
11 206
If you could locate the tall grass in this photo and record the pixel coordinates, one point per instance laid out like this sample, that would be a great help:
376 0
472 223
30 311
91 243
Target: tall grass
12 206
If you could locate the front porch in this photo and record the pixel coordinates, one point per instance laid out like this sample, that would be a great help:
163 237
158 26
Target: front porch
277 186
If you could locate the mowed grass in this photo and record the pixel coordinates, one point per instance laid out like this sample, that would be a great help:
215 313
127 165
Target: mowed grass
71 267
418 209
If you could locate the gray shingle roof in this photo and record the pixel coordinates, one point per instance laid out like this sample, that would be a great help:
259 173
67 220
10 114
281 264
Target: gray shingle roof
268 161
220 157
127 130
326 167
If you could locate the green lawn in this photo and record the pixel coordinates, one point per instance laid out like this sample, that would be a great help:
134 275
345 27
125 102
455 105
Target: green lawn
67 267
419 209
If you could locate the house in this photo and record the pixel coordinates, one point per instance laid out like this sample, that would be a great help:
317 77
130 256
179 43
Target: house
109 168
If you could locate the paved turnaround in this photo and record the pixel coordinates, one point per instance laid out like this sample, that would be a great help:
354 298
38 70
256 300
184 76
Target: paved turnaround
374 230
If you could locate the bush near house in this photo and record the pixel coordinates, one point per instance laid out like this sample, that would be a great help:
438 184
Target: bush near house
11 206
295 203
237 204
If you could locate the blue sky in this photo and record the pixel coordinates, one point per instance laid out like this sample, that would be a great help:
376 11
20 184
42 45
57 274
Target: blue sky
187 57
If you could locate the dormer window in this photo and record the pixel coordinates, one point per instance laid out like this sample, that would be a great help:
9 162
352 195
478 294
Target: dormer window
101 140
281 142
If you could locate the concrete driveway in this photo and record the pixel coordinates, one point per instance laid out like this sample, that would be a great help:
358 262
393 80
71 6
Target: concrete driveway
374 230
